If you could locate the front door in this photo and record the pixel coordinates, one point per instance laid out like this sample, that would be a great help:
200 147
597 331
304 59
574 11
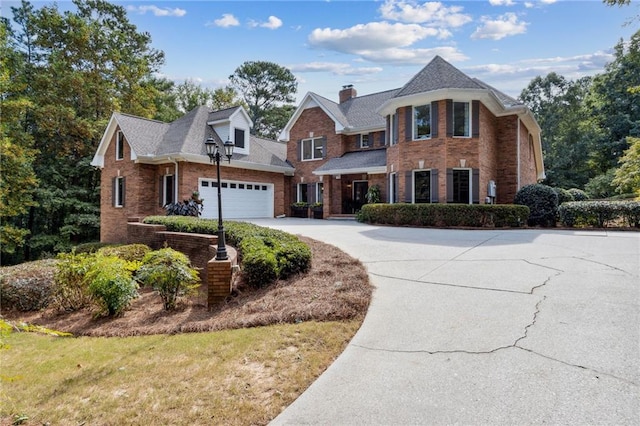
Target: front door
360 188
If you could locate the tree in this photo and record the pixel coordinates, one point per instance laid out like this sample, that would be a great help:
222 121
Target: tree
614 105
75 68
617 2
627 176
557 105
190 95
264 86
17 179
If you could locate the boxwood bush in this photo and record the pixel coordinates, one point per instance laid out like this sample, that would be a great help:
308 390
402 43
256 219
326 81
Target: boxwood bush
266 254
600 213
542 201
443 215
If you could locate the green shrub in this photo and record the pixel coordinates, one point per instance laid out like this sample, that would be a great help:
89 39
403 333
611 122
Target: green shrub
444 215
71 292
291 255
129 252
111 285
578 194
27 286
542 201
564 195
90 247
168 272
600 213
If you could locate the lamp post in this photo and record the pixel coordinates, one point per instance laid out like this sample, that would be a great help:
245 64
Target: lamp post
213 151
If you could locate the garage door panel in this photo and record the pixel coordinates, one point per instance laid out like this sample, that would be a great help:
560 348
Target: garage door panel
240 200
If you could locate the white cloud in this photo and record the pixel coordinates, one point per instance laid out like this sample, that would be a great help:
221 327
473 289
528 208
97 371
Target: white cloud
157 11
430 13
496 29
398 56
501 2
334 68
512 78
371 36
273 23
227 20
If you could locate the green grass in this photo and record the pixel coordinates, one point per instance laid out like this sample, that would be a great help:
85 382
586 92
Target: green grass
235 377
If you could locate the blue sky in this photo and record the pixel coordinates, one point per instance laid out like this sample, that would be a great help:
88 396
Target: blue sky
380 45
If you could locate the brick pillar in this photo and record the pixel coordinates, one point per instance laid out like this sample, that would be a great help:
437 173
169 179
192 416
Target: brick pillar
219 274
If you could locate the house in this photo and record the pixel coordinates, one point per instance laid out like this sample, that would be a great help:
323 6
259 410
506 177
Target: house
148 164
443 137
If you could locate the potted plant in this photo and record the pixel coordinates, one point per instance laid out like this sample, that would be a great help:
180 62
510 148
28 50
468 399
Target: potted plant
317 210
300 209
373 194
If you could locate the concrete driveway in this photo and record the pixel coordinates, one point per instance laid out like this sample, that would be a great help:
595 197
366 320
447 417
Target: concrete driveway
484 327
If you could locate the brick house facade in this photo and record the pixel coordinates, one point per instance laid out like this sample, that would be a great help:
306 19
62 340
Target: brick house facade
443 137
146 164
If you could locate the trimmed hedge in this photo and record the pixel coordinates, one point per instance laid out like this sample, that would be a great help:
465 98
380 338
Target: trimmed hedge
600 213
542 201
266 254
443 215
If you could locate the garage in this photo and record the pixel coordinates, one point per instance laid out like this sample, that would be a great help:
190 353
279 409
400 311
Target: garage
240 200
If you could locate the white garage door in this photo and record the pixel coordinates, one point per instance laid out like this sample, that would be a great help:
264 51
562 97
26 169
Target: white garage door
240 200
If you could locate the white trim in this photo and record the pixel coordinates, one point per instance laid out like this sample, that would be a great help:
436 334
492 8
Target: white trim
369 143
368 170
310 100
319 194
119 139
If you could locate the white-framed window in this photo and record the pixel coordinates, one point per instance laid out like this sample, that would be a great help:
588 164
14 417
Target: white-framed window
319 192
462 119
168 192
238 138
365 140
312 149
422 186
393 187
118 191
119 145
302 196
422 122
394 129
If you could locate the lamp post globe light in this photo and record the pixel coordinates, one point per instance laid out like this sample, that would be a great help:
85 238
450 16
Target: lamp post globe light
213 151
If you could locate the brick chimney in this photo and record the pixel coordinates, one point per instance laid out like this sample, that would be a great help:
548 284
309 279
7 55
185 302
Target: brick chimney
347 93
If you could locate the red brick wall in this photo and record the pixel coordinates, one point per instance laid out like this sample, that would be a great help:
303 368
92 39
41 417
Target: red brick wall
142 188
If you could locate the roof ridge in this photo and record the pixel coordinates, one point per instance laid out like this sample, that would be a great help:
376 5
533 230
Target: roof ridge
140 118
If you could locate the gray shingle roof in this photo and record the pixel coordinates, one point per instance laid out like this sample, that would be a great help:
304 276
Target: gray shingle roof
356 160
142 134
438 74
265 151
187 135
358 112
222 114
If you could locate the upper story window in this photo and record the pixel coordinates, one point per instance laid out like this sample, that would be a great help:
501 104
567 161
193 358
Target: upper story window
461 119
312 149
238 138
422 122
365 140
394 129
119 145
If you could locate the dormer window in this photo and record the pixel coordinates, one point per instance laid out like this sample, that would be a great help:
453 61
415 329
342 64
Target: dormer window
365 141
238 138
119 145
